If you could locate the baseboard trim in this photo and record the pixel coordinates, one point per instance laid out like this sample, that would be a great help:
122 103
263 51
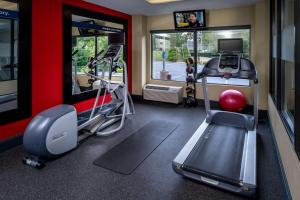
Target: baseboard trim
11 143
262 114
137 98
15 141
279 160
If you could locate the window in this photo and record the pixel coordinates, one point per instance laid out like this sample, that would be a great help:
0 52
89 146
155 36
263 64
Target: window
297 74
86 35
274 50
285 56
288 62
176 47
170 49
208 47
15 73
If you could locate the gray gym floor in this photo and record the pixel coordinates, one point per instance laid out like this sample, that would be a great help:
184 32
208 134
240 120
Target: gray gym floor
74 176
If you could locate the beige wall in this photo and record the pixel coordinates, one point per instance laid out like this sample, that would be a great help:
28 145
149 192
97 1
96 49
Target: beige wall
288 155
139 34
256 16
260 48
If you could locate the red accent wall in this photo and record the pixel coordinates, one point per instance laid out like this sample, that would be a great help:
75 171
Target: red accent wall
47 58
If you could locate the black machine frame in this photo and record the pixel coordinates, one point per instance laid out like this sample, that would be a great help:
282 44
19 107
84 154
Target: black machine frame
23 109
68 11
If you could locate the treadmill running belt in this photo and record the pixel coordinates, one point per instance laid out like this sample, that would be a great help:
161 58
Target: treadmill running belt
218 153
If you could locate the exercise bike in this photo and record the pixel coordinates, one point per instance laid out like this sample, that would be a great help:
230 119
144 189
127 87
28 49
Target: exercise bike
60 129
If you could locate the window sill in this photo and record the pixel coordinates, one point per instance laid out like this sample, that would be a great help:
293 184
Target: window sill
199 82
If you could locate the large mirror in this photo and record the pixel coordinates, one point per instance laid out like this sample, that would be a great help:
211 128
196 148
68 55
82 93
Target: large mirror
14 62
90 37
8 55
87 38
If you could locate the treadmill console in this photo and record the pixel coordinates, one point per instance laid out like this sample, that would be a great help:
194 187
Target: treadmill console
230 55
229 63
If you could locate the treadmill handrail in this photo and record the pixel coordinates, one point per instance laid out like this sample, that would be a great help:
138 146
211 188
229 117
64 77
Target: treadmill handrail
205 73
246 70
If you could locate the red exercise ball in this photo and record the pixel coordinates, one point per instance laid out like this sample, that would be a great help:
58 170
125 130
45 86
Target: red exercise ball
232 100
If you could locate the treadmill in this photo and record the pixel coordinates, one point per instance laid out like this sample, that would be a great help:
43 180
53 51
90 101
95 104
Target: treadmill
222 151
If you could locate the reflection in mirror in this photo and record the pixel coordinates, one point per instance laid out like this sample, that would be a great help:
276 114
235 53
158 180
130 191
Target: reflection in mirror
8 55
90 40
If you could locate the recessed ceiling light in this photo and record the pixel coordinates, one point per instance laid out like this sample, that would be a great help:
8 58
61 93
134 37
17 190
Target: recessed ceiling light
161 1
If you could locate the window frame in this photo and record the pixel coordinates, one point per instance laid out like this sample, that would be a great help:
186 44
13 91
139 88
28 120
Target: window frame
23 109
287 121
297 81
195 32
68 11
294 135
272 62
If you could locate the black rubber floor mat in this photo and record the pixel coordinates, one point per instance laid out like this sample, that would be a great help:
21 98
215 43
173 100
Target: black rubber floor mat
125 157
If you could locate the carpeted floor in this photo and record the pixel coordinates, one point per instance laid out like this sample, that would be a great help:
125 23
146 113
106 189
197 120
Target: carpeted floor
74 176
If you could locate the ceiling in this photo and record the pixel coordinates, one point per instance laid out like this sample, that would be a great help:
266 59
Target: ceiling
141 7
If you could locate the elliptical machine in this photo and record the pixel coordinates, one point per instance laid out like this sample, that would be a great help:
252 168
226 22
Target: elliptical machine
60 129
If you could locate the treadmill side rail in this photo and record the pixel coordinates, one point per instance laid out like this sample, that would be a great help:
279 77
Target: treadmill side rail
188 147
249 172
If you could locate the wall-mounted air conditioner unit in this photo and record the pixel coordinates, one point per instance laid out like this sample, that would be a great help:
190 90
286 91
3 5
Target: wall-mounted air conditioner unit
162 93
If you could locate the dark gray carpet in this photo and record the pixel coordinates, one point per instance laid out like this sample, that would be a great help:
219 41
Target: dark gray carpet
75 177
125 157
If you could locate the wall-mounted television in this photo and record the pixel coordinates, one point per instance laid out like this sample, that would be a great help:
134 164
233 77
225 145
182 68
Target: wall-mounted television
190 19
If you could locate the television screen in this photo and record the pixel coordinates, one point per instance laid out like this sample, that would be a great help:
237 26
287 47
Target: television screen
189 19
234 45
